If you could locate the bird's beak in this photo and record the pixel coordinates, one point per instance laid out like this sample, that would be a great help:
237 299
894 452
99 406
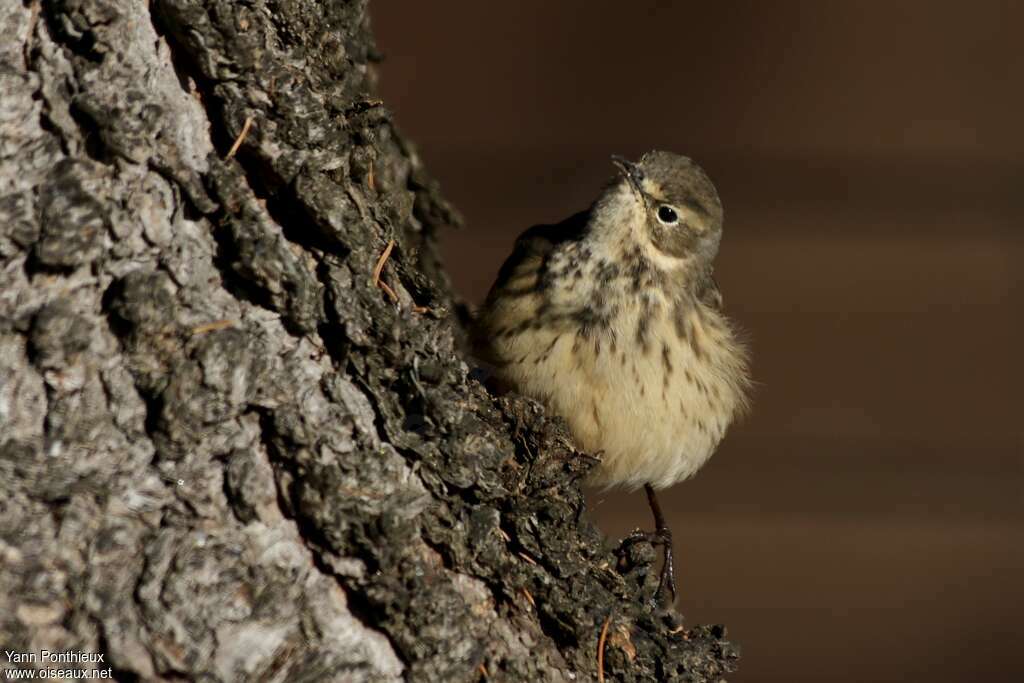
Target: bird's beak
630 171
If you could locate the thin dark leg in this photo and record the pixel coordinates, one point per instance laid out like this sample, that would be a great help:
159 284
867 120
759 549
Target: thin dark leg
663 536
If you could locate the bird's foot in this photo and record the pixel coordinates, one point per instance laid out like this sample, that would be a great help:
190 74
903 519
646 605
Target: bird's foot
667 578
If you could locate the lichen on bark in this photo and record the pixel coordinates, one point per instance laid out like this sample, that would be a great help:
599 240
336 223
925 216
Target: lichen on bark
225 452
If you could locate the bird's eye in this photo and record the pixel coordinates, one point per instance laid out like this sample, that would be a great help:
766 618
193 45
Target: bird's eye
667 215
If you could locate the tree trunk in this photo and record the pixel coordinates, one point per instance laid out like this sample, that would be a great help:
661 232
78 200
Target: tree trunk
226 452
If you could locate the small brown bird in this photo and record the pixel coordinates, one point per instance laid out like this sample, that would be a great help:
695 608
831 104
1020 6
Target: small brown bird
612 319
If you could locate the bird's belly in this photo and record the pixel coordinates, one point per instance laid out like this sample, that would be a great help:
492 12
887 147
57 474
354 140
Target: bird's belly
649 427
654 413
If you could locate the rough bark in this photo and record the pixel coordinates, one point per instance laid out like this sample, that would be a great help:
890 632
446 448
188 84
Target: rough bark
225 453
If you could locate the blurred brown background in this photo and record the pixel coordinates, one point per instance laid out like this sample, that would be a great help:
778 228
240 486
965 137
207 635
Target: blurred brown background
866 523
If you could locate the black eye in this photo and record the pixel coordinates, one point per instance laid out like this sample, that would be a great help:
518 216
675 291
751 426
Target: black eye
666 214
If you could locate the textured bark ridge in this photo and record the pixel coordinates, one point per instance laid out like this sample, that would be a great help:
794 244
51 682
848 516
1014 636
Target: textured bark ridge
225 452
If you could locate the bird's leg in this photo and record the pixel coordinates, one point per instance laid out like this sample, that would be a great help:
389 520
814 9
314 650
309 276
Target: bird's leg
662 536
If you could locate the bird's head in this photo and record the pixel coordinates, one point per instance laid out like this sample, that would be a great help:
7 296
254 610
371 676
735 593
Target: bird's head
670 201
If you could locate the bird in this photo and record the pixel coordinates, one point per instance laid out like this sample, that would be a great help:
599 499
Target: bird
613 320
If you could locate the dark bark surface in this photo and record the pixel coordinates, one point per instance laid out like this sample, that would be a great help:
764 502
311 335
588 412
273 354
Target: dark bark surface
225 453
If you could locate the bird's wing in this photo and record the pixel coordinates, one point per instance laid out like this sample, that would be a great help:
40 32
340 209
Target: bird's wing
517 294
526 266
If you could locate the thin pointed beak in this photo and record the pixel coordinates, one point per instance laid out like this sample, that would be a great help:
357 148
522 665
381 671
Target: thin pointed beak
630 171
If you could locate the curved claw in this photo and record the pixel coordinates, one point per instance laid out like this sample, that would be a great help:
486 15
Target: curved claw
667 578
668 569
662 536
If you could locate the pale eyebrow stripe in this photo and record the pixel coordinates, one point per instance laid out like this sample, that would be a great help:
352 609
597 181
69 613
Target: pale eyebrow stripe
696 205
